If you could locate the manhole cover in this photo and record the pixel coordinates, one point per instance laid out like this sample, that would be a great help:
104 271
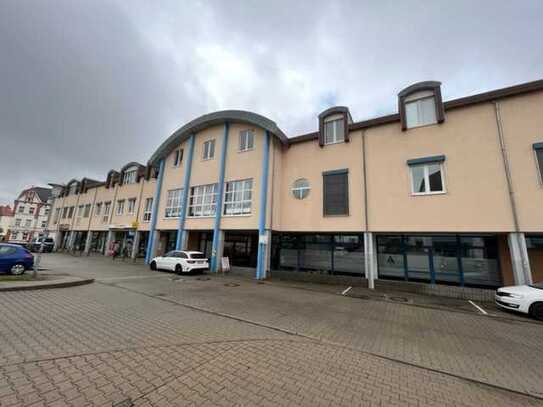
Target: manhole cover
398 299
231 285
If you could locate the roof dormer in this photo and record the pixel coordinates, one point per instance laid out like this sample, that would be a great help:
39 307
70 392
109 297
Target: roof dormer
421 105
334 125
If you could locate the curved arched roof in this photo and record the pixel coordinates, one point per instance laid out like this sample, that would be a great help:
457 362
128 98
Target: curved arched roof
131 164
212 119
419 86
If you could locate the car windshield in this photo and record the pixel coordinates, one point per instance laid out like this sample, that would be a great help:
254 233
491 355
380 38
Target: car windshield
197 256
538 285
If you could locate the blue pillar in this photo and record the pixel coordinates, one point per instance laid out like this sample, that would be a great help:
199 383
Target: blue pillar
261 261
156 200
184 199
218 207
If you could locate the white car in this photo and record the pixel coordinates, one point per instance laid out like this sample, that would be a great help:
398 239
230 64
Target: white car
527 299
180 262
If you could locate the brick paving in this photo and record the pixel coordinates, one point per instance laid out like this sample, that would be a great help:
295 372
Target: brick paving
104 343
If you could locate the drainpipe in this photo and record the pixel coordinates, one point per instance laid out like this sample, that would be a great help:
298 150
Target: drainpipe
263 238
216 250
181 233
518 247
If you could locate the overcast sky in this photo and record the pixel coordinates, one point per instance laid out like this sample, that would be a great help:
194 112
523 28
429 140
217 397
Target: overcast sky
89 85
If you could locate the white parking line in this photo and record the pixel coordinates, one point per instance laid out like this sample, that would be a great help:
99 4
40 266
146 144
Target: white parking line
346 290
479 308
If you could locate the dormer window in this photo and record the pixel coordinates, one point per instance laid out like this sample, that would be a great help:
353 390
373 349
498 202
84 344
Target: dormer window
129 176
421 105
334 125
334 129
73 189
420 109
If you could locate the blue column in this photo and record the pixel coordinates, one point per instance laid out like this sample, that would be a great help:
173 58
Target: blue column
220 193
156 200
184 199
261 263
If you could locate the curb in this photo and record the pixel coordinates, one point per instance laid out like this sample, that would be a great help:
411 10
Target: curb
45 285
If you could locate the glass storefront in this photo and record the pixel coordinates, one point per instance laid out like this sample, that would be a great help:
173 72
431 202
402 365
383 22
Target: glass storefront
326 253
450 259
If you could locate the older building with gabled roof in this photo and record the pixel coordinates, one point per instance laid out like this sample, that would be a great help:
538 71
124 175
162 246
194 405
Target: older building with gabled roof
30 214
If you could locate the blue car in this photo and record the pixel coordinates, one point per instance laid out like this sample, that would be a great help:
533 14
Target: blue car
15 259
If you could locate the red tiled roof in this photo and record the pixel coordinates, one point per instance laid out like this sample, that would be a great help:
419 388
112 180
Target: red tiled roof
6 211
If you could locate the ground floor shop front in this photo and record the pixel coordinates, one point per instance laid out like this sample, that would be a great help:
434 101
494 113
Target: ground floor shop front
469 259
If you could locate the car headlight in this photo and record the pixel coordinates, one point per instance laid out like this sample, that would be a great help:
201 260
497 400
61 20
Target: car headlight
517 296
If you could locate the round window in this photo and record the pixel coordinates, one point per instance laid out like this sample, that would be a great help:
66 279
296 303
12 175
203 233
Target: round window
300 188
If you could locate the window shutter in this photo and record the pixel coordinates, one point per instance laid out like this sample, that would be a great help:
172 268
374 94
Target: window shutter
336 193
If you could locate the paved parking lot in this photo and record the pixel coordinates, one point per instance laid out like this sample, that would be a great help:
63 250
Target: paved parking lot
161 341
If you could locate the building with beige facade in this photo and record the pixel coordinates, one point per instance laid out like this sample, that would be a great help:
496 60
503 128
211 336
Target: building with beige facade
30 215
440 192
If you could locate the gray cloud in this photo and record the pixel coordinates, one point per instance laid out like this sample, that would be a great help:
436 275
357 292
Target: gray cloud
90 85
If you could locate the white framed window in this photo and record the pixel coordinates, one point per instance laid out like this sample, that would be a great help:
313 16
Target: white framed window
427 179
25 235
301 188
107 208
131 206
28 223
334 130
80 210
129 176
21 209
120 207
31 210
208 150
203 200
57 216
177 157
173 203
17 223
73 188
539 161
246 140
238 197
14 235
148 210
420 109
98 209
43 224
87 210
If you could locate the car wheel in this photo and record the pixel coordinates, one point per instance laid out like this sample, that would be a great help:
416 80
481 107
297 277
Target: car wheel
153 265
17 269
178 268
536 310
